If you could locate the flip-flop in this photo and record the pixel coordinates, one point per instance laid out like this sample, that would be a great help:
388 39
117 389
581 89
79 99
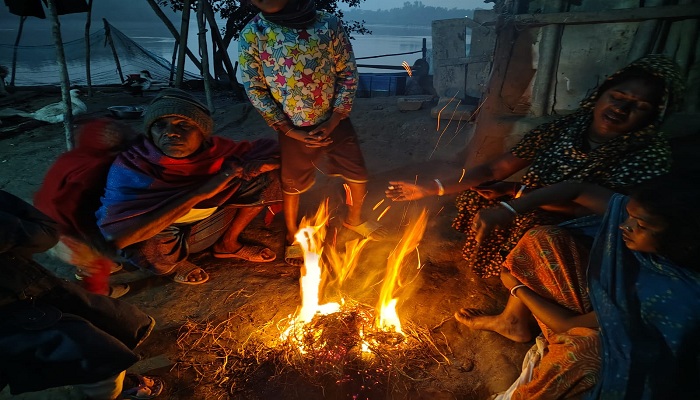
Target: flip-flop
185 269
294 252
141 387
116 267
248 252
365 229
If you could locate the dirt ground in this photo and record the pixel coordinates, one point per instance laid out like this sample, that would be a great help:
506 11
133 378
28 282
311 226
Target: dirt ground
254 298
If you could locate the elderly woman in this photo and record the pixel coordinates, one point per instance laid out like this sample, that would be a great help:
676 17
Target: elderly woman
619 315
180 190
612 140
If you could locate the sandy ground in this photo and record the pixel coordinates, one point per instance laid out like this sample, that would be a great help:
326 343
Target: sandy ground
396 144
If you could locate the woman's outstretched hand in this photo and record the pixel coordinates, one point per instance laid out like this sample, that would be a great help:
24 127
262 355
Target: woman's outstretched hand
405 191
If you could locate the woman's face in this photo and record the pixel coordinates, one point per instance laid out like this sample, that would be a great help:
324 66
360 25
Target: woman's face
640 230
269 6
176 137
626 107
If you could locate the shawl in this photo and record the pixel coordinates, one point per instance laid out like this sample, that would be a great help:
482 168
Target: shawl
649 312
71 189
143 179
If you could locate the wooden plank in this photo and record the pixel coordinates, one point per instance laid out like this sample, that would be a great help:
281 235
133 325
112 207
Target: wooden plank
464 60
610 16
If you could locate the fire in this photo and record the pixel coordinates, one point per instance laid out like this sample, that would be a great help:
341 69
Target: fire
387 318
326 268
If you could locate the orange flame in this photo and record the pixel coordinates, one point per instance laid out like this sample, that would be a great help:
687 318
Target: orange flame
323 271
386 317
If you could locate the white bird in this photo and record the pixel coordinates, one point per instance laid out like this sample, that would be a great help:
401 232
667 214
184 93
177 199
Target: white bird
53 113
137 84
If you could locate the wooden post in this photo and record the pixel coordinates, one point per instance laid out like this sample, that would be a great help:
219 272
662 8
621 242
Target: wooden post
108 39
546 65
87 48
65 80
224 53
184 34
202 34
14 53
173 31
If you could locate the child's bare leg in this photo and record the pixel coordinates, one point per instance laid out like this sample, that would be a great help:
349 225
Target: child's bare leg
291 213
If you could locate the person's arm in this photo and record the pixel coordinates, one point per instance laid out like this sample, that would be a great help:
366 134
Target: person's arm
504 166
152 223
23 228
590 196
558 318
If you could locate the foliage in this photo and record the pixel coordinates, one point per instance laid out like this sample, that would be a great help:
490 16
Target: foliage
237 14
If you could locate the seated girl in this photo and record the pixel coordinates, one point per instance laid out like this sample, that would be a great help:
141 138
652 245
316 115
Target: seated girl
618 321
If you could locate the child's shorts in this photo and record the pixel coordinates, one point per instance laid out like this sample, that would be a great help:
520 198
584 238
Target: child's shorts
342 158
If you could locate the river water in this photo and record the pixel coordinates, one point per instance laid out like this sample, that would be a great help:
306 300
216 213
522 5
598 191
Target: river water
156 39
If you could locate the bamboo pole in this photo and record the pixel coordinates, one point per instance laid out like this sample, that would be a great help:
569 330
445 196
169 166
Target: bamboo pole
14 53
108 39
184 34
87 48
172 64
173 31
63 72
202 34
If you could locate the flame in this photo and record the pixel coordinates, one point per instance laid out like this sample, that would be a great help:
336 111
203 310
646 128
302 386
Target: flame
311 236
325 270
387 318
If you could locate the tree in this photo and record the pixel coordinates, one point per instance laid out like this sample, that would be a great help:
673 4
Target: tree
237 15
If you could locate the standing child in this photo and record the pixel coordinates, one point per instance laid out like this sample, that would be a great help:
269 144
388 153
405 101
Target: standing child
299 71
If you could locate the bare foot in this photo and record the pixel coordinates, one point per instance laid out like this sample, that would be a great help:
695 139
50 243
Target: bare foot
509 326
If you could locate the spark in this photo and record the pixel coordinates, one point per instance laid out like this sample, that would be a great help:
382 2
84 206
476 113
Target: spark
440 112
454 111
407 68
380 203
348 194
383 212
462 177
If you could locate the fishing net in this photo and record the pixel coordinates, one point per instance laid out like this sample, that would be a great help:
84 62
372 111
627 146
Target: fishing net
37 65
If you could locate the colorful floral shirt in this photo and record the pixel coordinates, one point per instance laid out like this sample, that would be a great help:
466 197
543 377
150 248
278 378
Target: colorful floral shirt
298 74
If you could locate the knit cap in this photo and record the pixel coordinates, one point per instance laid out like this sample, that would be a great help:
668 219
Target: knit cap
178 103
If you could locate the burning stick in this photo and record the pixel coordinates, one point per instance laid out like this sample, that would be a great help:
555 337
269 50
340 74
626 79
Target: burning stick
383 212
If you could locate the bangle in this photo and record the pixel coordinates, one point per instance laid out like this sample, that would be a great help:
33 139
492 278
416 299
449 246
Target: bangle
289 130
441 189
520 192
508 207
514 288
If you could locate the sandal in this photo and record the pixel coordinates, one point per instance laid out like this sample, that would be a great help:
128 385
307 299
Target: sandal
367 229
248 252
141 387
294 255
185 270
